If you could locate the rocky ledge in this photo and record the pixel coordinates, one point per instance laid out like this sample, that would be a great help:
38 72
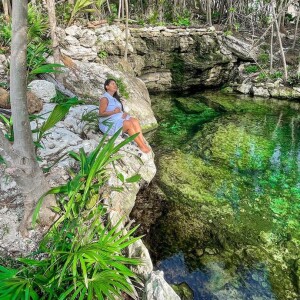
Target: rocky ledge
71 134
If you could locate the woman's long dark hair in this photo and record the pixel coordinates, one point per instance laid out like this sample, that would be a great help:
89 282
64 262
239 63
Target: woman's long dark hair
115 95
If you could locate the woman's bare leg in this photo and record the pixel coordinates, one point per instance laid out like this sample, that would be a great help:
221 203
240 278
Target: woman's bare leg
137 127
131 130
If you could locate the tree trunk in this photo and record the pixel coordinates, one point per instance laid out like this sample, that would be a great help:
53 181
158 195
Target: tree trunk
296 29
271 48
25 169
126 30
208 12
52 23
119 10
6 8
108 6
280 43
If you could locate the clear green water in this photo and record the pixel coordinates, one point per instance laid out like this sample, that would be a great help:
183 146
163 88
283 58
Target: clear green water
229 168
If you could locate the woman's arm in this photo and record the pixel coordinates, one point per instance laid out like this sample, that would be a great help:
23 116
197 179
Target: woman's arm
103 106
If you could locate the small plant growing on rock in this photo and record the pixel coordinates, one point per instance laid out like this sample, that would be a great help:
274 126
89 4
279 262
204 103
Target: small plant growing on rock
251 69
276 75
102 54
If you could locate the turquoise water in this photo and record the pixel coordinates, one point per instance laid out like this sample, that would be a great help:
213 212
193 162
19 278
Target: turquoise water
229 168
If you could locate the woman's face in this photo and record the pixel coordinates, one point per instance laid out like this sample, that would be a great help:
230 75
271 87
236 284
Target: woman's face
112 87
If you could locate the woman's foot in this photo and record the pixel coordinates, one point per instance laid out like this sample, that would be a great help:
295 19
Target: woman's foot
145 149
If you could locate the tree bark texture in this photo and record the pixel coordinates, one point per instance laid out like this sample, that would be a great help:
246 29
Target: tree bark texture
126 30
24 168
6 8
280 42
52 23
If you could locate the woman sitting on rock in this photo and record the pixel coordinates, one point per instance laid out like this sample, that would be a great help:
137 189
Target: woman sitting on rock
112 117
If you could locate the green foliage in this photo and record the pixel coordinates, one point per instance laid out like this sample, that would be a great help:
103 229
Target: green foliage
215 16
262 76
2 161
60 98
183 20
114 13
37 23
5 32
228 33
251 69
102 54
80 257
236 26
153 18
63 12
121 86
37 54
92 119
294 79
276 75
141 21
8 123
79 6
38 48
264 58
80 262
56 115
86 183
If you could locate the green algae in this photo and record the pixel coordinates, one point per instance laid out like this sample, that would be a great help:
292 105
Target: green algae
233 183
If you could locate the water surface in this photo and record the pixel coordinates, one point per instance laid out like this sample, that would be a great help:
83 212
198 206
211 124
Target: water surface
229 169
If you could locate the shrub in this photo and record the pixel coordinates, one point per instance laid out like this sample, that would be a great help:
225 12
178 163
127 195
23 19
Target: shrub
251 69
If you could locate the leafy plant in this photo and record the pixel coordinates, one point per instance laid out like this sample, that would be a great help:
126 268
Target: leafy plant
183 19
264 58
3 84
153 19
56 115
228 33
5 32
59 98
80 257
262 76
92 119
276 75
37 54
63 12
121 85
102 54
8 123
236 26
87 181
80 262
79 6
251 69
38 23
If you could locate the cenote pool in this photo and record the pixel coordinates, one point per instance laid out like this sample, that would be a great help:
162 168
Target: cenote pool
229 178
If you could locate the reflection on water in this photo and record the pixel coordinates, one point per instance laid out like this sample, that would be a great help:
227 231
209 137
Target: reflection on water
230 169
215 281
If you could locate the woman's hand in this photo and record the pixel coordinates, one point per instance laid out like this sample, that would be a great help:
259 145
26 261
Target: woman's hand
124 115
117 110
